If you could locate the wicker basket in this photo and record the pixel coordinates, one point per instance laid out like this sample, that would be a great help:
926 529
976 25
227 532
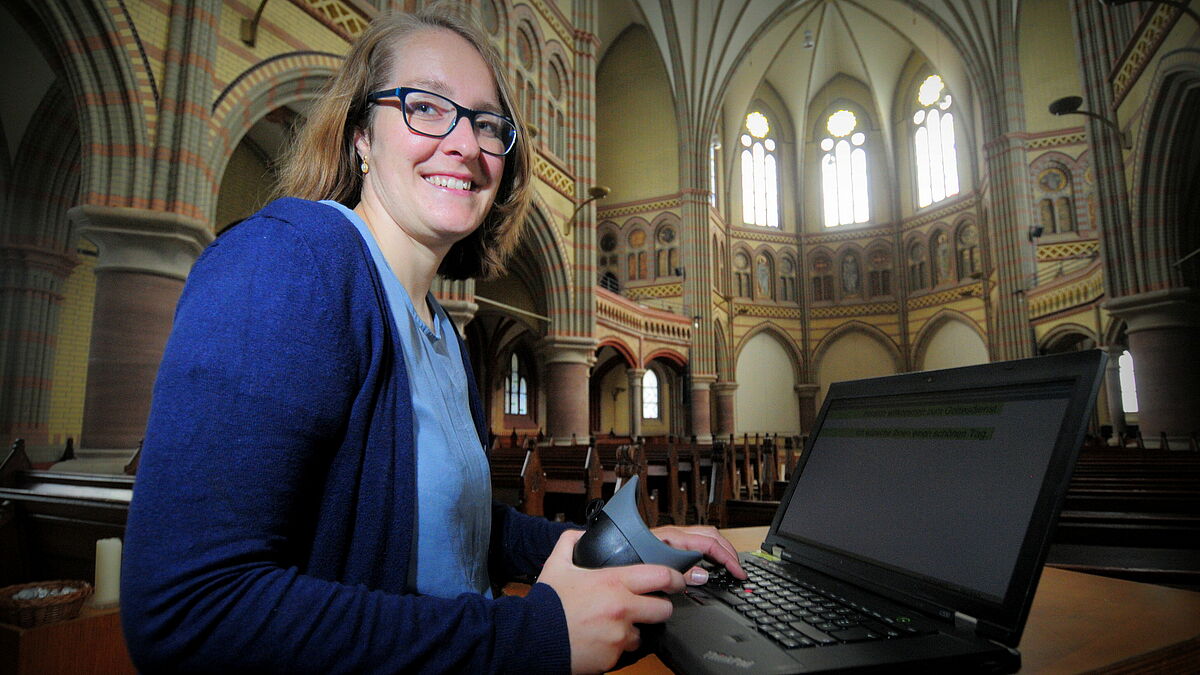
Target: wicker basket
38 611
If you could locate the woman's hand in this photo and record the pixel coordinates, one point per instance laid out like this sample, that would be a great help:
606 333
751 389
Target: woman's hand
603 605
706 540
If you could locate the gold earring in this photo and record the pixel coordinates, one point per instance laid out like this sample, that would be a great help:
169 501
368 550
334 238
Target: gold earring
363 167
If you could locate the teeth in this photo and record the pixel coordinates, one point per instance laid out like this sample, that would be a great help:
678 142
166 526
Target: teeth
448 182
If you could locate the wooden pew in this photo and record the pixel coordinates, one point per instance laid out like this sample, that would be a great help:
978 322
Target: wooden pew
1134 514
517 478
52 520
572 470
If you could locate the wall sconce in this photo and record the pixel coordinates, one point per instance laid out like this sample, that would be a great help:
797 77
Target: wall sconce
1069 105
1173 3
696 322
594 193
250 26
1035 232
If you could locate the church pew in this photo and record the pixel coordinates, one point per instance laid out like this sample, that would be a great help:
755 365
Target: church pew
517 479
52 520
1132 514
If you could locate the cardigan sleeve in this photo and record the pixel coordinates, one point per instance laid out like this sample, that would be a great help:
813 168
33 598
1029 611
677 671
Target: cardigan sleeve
253 395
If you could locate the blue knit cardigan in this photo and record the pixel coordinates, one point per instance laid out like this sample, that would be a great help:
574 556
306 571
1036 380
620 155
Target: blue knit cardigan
273 517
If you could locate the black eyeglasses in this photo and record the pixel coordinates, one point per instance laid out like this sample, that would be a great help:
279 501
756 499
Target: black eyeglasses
434 115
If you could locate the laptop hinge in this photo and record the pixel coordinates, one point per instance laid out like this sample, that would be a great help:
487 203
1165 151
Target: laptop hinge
777 551
965 622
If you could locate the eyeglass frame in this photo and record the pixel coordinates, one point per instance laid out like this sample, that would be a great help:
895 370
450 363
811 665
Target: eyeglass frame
460 112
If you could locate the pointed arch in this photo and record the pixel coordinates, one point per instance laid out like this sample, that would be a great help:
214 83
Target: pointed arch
795 354
850 327
931 327
98 66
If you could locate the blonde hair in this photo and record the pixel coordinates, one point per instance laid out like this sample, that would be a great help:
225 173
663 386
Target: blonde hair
322 163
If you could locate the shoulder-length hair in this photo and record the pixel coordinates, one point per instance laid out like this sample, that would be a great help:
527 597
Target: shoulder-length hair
322 163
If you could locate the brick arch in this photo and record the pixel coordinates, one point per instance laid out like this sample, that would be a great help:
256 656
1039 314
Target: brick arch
674 356
256 92
45 179
1062 333
1161 197
866 329
547 251
96 52
627 353
930 328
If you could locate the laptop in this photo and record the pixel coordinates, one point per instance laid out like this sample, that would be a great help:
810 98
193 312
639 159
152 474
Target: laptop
913 531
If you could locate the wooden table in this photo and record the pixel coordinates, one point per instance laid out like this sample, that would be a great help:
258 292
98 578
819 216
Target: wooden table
1079 623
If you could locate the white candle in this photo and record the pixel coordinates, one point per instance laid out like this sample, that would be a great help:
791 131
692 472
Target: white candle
108 573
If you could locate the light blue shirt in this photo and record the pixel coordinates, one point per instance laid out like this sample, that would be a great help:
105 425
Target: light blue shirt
454 489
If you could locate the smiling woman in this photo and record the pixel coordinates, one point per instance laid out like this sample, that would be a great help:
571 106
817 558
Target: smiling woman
356 531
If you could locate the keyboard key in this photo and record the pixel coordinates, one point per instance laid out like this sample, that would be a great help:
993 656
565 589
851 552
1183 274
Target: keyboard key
854 634
813 633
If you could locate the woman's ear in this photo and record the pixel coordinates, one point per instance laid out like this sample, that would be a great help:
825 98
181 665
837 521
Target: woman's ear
362 144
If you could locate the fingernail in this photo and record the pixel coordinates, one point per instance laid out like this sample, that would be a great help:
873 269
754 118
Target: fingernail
698 576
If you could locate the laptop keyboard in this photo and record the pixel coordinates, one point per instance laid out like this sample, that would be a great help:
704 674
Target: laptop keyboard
796 613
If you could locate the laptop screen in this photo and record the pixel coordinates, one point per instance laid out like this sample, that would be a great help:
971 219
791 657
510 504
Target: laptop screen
937 488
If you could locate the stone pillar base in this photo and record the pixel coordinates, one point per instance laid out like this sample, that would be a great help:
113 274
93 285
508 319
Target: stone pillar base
567 362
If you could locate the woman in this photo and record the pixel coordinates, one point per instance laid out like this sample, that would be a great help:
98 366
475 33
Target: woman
302 504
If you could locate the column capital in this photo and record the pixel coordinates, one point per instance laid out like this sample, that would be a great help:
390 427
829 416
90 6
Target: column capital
807 389
703 381
568 349
724 387
140 240
1167 308
460 312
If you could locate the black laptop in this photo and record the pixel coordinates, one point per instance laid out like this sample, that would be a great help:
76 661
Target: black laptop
913 531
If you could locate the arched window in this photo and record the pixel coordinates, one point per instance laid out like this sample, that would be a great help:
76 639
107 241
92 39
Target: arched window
526 75
650 407
556 118
968 251
666 252
1129 400
516 389
1056 203
638 265
741 273
917 267
844 171
608 261
822 279
760 179
933 140
787 280
881 272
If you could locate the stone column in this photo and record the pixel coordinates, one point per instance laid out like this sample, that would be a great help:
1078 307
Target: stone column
701 418
31 296
808 405
726 417
1164 338
457 297
144 258
635 400
567 361
1112 391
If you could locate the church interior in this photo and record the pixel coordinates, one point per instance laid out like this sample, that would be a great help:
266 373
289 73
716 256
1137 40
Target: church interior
736 204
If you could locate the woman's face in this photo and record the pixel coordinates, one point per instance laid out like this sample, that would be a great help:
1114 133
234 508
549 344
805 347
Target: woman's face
437 190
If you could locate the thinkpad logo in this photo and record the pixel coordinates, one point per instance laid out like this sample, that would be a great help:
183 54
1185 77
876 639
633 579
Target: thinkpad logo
727 659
